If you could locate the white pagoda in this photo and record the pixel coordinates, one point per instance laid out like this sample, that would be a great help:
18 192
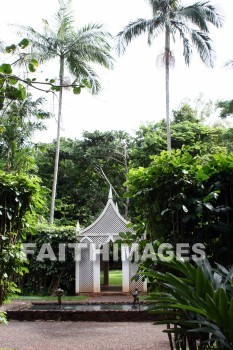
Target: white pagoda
104 230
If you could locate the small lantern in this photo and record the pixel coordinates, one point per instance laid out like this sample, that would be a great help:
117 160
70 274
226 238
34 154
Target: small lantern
59 294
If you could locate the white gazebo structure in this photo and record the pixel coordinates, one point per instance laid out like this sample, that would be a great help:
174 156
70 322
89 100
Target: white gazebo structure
99 234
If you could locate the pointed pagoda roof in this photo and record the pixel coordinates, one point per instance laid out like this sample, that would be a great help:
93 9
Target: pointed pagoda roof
109 222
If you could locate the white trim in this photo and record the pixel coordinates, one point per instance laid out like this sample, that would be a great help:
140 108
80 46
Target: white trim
86 237
125 276
110 239
96 274
77 277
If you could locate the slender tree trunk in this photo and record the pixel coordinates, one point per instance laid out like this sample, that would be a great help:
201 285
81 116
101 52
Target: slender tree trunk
54 188
126 173
167 77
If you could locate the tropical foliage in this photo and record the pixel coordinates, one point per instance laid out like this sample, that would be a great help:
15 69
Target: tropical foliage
186 130
197 301
181 198
19 198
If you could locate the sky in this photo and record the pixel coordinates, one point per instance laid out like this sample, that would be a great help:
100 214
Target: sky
134 91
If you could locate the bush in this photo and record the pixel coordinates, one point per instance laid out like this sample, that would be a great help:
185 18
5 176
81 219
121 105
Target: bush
46 276
19 200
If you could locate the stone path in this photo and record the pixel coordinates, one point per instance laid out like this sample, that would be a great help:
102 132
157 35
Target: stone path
82 336
49 335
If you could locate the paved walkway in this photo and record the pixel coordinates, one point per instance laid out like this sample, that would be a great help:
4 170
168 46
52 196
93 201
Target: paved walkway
82 336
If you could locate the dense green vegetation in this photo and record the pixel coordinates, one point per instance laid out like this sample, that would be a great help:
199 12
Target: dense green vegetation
183 195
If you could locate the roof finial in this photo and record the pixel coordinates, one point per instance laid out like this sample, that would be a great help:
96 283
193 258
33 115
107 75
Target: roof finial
117 207
110 193
78 228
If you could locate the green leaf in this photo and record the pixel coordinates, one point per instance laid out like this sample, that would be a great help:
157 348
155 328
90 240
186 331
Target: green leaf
34 62
231 320
55 88
5 68
86 83
213 308
13 81
200 282
22 91
77 90
223 307
10 48
31 67
23 43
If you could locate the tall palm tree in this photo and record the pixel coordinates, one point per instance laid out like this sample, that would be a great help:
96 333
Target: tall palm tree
75 49
170 17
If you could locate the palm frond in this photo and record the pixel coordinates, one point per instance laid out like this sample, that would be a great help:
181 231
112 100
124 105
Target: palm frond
229 64
91 53
65 20
202 42
211 14
136 28
90 44
93 32
183 29
193 14
43 47
82 70
200 14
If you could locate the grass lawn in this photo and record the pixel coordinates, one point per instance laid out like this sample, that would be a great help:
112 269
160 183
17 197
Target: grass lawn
50 298
115 278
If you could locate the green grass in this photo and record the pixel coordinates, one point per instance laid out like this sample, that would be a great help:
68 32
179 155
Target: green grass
115 278
50 298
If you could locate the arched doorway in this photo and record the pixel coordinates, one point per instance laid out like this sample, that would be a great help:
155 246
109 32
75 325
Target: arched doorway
111 270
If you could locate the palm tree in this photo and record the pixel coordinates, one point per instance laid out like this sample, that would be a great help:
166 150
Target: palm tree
75 49
170 17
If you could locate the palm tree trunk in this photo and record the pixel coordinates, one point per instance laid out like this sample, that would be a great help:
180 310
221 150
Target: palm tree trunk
167 77
126 173
54 188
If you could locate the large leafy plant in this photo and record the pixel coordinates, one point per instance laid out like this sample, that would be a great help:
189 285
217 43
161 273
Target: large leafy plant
20 198
197 300
181 198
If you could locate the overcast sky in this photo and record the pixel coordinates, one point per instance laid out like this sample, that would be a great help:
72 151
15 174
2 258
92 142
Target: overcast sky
134 92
